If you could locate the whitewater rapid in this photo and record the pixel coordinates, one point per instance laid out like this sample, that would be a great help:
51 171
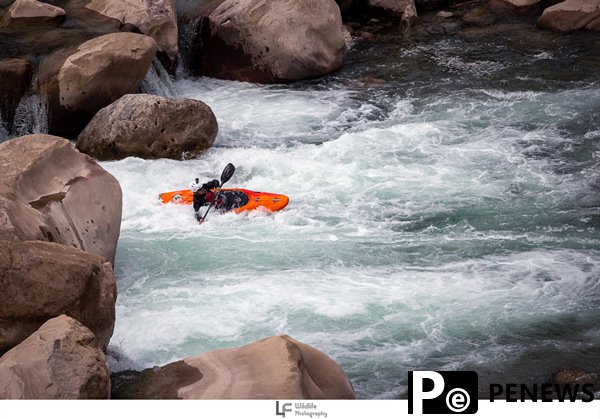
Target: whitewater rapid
448 221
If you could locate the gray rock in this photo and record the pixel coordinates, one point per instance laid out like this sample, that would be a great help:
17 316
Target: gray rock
269 41
149 126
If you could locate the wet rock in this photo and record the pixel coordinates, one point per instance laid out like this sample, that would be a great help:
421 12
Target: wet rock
270 41
576 377
571 15
24 13
61 360
348 37
155 18
51 192
274 368
479 16
392 8
15 74
149 126
42 280
80 82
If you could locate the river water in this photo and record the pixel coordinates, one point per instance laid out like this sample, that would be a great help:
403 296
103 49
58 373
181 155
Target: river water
442 217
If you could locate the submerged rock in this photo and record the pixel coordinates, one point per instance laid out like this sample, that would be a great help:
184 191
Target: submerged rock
61 360
270 41
79 83
274 368
51 192
42 280
571 15
149 126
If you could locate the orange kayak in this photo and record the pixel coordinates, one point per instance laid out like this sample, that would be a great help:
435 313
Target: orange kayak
236 200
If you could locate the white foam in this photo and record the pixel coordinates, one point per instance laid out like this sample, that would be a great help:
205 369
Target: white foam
427 239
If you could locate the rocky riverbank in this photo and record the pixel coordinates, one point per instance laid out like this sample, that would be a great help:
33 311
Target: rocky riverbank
60 212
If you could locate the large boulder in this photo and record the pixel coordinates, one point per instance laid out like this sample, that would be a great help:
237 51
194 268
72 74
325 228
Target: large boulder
78 83
155 18
269 41
149 126
41 280
278 367
31 13
61 360
51 192
15 74
571 15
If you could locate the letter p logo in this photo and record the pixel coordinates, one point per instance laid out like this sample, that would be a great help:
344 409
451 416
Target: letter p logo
417 394
442 392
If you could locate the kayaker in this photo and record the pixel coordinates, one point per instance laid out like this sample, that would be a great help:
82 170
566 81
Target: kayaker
203 193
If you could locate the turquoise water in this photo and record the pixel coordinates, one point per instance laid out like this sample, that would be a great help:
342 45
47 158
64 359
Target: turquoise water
445 219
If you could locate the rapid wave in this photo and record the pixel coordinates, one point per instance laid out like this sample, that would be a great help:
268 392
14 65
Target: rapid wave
429 227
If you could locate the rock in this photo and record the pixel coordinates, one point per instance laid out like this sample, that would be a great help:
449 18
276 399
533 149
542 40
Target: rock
573 377
515 8
149 126
42 280
571 15
51 192
428 4
348 37
350 7
517 4
61 360
81 82
155 18
409 17
23 13
479 16
269 41
15 74
278 367
394 8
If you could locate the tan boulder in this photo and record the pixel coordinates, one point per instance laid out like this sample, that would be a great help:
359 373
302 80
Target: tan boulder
61 360
270 41
278 367
52 192
149 126
42 280
31 13
15 74
571 15
155 18
80 82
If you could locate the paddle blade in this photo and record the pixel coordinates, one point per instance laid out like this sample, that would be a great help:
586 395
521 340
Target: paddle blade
227 173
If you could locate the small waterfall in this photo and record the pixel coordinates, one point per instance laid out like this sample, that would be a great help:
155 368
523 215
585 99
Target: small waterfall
159 82
31 116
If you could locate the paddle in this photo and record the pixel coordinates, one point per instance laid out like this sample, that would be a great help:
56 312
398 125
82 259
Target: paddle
225 176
